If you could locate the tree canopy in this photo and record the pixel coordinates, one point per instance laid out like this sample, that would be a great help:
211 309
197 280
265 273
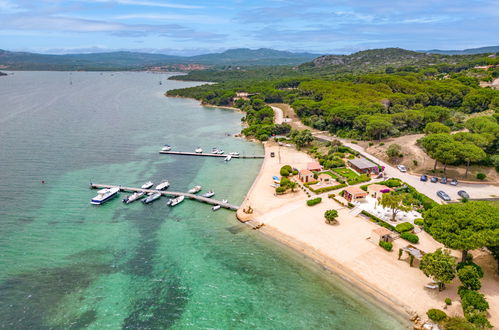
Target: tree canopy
464 226
440 266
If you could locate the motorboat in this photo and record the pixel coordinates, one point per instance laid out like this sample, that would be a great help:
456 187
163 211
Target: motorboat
234 153
195 190
209 194
104 195
198 150
216 207
166 147
147 185
133 197
163 185
225 201
151 198
220 152
214 150
176 201
228 158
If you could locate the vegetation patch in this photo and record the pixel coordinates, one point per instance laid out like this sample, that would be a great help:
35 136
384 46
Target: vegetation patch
315 201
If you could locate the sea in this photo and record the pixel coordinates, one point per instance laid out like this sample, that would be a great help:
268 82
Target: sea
67 264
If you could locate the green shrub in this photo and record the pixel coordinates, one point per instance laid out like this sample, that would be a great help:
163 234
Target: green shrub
448 301
284 173
419 222
469 277
295 172
458 323
359 179
382 144
472 300
392 183
436 315
415 162
326 189
472 264
371 144
388 246
315 201
280 190
479 319
404 226
409 237
286 170
481 176
350 205
330 216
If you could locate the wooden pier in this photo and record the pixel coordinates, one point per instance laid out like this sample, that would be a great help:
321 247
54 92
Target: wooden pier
204 154
169 193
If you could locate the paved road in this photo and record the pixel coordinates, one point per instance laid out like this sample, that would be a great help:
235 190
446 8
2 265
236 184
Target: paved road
278 115
477 190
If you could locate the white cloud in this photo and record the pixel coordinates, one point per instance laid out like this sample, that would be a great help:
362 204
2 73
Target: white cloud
146 3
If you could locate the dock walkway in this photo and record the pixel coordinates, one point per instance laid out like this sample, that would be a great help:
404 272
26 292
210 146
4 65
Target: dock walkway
169 193
204 154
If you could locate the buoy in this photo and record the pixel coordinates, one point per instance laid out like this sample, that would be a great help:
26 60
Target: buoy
43 181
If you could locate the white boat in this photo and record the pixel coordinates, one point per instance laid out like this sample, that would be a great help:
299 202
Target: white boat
195 190
228 158
214 150
225 201
198 150
163 185
216 207
234 153
151 198
147 185
104 195
176 201
133 197
209 194
166 147
220 152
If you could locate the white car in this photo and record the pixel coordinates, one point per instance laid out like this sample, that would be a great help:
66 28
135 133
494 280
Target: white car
402 168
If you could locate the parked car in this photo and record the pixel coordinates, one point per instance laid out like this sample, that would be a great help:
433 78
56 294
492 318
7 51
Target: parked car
434 179
402 168
454 182
443 180
423 178
443 195
463 194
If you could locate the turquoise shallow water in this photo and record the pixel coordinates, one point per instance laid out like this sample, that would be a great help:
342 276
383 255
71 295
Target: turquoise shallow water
68 264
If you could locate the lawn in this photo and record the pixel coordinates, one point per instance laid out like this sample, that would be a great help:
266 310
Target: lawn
346 173
331 174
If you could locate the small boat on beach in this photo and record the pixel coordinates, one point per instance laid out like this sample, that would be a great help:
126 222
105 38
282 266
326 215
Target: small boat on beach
195 190
151 198
163 185
175 201
209 194
133 197
228 158
216 207
104 195
166 147
147 185
198 150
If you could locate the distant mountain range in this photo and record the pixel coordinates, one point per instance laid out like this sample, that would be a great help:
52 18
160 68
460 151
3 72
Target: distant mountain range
471 51
133 60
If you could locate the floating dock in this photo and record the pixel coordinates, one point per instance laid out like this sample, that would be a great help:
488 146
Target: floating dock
204 154
169 193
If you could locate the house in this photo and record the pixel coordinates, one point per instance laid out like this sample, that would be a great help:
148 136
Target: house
363 166
380 234
314 166
353 194
377 190
306 176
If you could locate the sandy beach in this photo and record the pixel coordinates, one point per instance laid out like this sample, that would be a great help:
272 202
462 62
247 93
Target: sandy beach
345 249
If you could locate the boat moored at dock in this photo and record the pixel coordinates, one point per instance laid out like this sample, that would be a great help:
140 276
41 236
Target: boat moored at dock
176 201
166 147
195 190
133 197
151 198
228 158
163 185
147 185
216 207
104 195
198 150
209 194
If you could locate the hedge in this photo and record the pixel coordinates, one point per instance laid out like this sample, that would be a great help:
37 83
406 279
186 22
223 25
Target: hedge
386 245
436 315
315 201
472 300
404 226
378 221
410 237
326 189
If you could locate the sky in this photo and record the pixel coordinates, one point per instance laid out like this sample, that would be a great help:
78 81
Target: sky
182 27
